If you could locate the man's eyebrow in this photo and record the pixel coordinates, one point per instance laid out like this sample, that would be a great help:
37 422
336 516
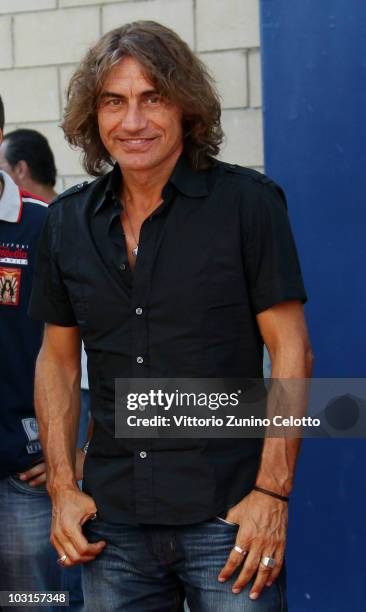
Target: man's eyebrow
112 94
148 92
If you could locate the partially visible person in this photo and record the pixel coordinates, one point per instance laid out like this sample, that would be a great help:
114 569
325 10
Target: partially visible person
27 559
27 157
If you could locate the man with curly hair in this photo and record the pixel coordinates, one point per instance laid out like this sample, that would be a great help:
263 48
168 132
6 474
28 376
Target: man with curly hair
171 265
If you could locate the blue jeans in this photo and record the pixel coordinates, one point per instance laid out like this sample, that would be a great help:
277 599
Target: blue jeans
27 559
154 568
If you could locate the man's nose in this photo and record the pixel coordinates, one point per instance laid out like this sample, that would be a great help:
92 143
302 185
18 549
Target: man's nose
134 119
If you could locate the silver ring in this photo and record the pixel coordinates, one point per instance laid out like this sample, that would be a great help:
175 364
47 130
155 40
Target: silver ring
240 550
61 560
268 561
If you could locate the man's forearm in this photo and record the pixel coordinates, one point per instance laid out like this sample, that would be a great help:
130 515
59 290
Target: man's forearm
287 397
57 403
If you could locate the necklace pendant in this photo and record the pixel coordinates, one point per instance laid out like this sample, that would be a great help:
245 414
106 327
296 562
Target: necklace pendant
135 251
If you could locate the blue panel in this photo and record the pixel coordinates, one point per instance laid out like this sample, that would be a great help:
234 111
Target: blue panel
314 77
314 73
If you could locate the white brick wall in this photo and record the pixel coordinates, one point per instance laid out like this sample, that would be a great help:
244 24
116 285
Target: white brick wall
176 14
32 93
244 142
65 36
15 6
41 42
255 83
229 70
66 73
65 3
227 24
5 42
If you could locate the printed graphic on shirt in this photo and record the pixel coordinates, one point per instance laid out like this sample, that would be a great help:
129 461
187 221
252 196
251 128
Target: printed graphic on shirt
12 253
34 447
31 428
9 286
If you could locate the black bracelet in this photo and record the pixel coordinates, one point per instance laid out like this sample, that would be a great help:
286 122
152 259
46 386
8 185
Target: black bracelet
272 494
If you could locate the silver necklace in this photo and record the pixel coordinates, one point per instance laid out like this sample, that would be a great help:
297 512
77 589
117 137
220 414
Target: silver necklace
136 249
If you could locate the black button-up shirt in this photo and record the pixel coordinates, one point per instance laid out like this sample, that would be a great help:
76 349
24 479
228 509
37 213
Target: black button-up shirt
216 252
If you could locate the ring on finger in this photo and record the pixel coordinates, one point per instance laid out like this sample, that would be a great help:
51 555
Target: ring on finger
240 550
268 562
61 560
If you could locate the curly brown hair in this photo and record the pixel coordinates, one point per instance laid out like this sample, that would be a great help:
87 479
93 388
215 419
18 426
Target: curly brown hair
176 72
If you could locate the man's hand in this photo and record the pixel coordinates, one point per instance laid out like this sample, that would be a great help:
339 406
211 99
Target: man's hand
262 532
71 509
36 475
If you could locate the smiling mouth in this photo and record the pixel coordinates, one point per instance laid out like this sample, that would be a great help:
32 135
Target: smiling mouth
136 141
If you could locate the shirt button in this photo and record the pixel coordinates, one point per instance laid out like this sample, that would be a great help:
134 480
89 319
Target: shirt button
140 359
138 311
122 267
143 455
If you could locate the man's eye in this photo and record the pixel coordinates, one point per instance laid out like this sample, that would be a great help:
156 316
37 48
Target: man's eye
112 103
153 99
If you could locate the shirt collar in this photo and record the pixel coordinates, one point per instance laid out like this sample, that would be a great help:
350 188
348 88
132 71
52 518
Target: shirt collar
10 201
190 182
112 186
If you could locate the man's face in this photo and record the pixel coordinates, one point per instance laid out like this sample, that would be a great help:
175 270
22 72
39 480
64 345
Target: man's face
4 165
139 129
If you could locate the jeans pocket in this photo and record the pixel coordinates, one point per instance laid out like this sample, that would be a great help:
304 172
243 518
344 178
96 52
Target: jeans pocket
23 487
99 529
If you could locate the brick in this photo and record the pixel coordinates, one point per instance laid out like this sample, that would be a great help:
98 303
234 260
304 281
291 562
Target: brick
66 73
66 3
227 24
30 94
5 43
59 37
176 14
244 137
230 72
67 159
17 6
255 79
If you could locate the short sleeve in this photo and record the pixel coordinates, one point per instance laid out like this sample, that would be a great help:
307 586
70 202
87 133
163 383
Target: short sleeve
49 299
270 257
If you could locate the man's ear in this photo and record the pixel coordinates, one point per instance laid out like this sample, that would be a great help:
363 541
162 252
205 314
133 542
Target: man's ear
21 170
